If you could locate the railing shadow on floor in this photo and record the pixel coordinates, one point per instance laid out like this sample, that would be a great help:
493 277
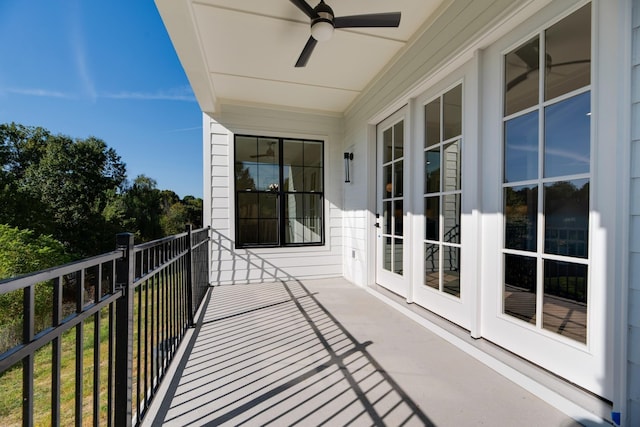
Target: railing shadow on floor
271 353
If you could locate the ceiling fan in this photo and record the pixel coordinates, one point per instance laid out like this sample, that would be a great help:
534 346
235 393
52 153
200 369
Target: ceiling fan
268 153
323 22
529 54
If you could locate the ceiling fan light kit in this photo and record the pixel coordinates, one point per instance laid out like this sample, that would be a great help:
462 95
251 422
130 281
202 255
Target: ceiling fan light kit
323 22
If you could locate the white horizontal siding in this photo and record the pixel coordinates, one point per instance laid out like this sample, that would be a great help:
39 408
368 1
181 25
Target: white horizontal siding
235 266
633 342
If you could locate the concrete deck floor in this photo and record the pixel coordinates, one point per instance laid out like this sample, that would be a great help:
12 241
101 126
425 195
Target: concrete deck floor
325 352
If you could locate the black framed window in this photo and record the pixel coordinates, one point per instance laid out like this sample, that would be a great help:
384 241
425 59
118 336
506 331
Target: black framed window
279 188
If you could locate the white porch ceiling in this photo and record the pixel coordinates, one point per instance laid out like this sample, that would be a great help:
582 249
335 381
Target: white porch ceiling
243 52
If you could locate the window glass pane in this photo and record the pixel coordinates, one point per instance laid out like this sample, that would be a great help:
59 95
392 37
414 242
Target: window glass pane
431 266
388 181
432 123
398 140
520 276
397 255
521 213
268 151
522 77
568 56
566 211
268 177
564 309
387 217
451 270
397 179
248 231
246 149
451 217
432 217
268 205
312 179
452 164
521 148
292 153
387 145
268 231
303 214
567 136
248 205
452 113
313 154
293 178
246 176
432 171
398 217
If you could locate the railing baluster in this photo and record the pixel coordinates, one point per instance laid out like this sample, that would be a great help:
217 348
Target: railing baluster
27 362
79 347
56 353
124 331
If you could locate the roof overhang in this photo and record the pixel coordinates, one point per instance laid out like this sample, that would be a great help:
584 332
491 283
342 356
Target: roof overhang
244 52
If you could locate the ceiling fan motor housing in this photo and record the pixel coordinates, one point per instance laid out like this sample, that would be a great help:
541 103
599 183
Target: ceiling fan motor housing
322 26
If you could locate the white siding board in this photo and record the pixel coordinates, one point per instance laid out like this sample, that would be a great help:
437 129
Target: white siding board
635 157
634 262
634 308
635 196
635 236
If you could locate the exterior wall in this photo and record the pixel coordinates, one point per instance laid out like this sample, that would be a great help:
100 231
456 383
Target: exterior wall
633 345
231 265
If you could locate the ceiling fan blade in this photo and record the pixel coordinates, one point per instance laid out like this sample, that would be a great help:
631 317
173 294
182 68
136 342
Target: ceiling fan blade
304 6
370 20
306 52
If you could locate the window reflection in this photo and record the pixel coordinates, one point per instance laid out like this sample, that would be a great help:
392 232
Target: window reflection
521 148
521 217
432 171
432 217
568 54
566 209
567 130
451 270
565 299
520 287
432 265
432 123
452 113
522 77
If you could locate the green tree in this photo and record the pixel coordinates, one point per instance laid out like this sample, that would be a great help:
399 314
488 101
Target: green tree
142 203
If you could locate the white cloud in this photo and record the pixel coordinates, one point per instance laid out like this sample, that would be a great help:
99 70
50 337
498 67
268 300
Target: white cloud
40 92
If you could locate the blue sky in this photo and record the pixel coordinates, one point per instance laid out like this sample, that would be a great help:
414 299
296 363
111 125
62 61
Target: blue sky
106 69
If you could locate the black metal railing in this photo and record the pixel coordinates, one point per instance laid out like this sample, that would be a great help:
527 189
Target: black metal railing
95 337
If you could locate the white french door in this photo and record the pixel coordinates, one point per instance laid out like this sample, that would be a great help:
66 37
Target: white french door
544 256
441 261
391 239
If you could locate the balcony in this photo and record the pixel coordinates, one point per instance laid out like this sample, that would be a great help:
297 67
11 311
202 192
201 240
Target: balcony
179 352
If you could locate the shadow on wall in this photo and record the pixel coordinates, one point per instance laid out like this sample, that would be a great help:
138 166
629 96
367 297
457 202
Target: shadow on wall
272 354
230 265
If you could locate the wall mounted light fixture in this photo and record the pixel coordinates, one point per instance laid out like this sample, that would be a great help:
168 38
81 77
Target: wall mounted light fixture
347 158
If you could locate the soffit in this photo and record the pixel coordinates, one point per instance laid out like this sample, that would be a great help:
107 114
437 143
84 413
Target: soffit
243 52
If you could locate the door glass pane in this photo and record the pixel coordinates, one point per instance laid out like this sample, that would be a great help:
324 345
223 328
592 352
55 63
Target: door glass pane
521 217
567 136
432 266
397 255
565 299
451 270
432 171
432 217
568 56
521 148
520 277
398 217
388 182
566 210
397 179
452 166
452 113
386 253
432 123
387 217
398 140
522 77
387 145
451 216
